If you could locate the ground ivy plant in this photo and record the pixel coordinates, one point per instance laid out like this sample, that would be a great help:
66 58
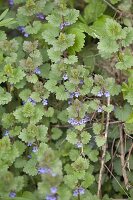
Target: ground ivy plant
66 100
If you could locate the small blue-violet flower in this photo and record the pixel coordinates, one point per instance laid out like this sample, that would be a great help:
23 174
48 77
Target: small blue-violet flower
11 2
6 133
50 197
40 16
37 70
45 102
100 93
79 144
44 170
65 77
31 101
106 94
78 191
53 190
35 149
99 110
12 194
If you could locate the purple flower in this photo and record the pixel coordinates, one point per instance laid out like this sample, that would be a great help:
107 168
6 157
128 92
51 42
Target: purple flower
106 94
81 190
45 102
81 82
79 144
12 194
40 16
29 156
35 149
31 101
37 71
50 197
99 110
65 77
76 122
6 133
100 93
26 35
62 25
29 144
11 2
21 29
44 170
77 94
78 191
53 190
67 24
72 95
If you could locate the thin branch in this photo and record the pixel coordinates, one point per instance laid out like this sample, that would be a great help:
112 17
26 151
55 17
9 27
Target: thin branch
104 152
128 157
111 6
116 180
123 158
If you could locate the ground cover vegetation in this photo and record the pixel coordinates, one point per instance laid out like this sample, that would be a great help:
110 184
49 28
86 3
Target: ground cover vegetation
66 99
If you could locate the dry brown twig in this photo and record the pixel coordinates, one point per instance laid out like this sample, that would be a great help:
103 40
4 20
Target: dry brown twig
122 157
104 152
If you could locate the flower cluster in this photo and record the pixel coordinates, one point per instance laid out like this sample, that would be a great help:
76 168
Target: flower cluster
40 16
11 2
21 29
74 94
62 25
35 149
101 93
78 191
6 133
37 71
31 101
52 195
79 144
45 102
12 194
75 122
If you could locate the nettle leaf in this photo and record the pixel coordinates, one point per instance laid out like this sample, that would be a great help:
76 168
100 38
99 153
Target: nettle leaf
3 78
32 78
80 164
34 28
89 180
97 128
50 34
18 75
70 180
71 59
64 41
30 167
50 85
54 19
113 29
54 55
25 94
71 15
79 40
107 46
100 140
72 137
60 93
127 62
129 36
56 133
123 113
8 120
94 10
49 112
5 97
85 137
